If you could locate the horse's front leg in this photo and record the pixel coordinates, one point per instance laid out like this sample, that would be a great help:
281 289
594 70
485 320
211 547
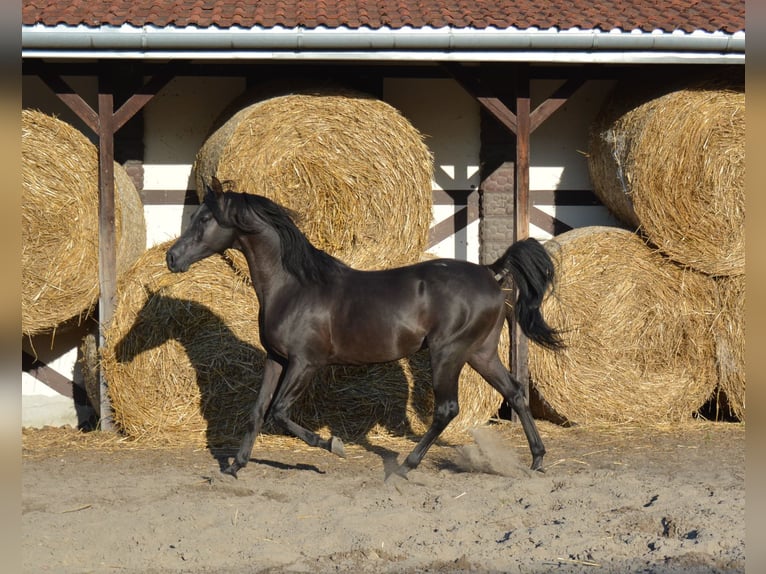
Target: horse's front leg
271 373
296 378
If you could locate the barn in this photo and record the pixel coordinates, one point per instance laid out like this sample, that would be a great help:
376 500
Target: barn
505 94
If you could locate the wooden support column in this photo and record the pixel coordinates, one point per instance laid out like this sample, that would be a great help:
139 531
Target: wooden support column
521 124
107 241
519 342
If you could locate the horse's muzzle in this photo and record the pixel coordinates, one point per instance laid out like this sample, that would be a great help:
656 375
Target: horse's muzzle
172 262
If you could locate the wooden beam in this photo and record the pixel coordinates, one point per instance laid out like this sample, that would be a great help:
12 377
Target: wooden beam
105 122
45 374
519 343
494 105
138 100
107 241
67 95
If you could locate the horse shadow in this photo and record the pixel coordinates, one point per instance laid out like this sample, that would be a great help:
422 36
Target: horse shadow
228 372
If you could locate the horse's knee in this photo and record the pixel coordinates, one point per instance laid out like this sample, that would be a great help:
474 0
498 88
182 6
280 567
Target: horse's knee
446 411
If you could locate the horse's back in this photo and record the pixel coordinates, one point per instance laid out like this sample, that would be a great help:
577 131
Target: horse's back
435 277
383 315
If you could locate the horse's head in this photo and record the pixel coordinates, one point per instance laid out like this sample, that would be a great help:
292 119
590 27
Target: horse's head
205 235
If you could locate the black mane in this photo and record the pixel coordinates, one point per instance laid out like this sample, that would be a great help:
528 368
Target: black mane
300 258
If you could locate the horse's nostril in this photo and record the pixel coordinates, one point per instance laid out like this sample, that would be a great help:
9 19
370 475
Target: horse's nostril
170 260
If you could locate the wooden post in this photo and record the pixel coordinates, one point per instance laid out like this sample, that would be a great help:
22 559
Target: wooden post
107 252
519 343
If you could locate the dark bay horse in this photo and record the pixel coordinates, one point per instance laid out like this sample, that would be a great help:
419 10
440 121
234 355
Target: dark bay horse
317 311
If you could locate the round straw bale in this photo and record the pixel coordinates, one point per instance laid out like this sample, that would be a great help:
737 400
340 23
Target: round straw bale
357 172
181 356
59 206
636 328
674 166
131 238
729 336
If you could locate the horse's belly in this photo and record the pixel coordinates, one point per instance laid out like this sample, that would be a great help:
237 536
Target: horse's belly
359 347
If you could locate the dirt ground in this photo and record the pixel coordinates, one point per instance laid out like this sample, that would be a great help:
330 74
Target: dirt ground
612 499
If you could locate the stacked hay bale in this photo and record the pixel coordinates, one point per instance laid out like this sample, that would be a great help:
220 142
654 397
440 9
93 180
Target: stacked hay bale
654 318
184 363
729 336
59 206
636 328
352 166
183 357
673 166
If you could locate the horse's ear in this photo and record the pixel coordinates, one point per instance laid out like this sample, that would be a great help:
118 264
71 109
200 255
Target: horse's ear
215 186
214 198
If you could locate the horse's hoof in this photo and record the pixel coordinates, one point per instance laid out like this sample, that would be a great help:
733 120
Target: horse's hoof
231 469
336 447
400 472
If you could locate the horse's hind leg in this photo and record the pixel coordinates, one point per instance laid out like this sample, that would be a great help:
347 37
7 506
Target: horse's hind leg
488 365
446 372
271 372
295 380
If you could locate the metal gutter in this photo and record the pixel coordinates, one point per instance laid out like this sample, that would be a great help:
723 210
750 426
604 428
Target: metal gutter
383 44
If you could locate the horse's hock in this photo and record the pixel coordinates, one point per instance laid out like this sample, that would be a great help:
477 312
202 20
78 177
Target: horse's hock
59 210
354 169
673 166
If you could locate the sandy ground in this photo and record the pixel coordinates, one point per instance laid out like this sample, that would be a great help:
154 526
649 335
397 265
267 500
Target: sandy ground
620 499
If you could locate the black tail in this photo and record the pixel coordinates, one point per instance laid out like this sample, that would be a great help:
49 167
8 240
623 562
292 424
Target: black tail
532 271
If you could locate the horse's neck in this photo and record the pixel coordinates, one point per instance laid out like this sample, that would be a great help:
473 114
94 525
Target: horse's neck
264 261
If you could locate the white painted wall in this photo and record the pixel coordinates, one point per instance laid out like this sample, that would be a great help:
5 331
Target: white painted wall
558 152
451 127
176 124
40 404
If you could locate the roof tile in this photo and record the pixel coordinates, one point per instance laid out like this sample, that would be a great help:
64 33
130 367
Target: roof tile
668 15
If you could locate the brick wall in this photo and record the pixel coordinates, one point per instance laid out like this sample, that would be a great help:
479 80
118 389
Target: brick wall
497 159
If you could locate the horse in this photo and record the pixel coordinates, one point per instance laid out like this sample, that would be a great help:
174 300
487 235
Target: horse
315 311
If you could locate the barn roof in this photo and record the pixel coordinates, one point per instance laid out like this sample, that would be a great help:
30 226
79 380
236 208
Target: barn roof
669 15
426 29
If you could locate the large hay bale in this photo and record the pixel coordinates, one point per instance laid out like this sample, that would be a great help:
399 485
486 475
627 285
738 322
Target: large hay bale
636 328
674 166
59 210
181 355
184 363
729 336
352 166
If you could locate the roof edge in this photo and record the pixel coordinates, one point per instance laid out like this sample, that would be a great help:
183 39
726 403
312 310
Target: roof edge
408 43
